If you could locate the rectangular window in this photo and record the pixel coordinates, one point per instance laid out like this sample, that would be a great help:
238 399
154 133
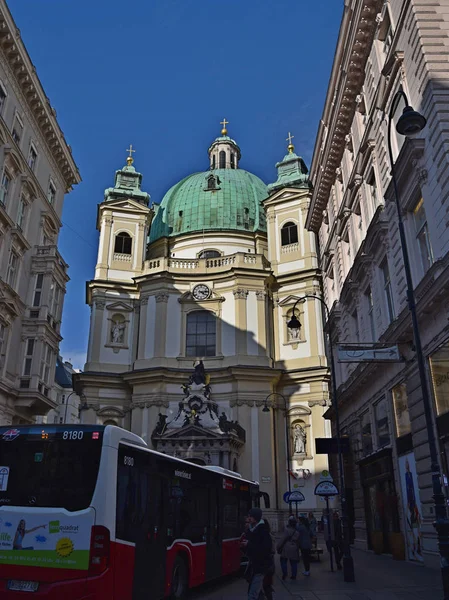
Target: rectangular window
2 98
372 187
382 430
46 361
17 129
388 290
54 301
200 337
367 436
32 157
3 338
29 349
21 213
4 188
51 194
401 413
38 290
13 266
370 307
422 236
439 368
355 326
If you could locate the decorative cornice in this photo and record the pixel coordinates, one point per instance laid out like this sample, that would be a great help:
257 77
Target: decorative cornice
25 82
341 102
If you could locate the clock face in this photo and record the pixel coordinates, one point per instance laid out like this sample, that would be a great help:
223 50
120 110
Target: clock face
201 292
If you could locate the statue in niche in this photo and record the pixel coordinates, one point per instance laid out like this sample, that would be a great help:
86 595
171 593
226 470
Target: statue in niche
293 334
117 332
299 439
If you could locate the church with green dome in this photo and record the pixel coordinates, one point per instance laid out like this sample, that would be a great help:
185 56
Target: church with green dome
189 343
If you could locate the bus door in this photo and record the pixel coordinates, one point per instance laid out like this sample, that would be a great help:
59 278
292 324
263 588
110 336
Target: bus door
214 537
149 573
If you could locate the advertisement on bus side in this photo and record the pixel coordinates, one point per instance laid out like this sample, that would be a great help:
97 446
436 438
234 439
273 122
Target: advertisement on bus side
43 539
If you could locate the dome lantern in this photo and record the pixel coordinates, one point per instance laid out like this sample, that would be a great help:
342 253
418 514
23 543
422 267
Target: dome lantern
224 152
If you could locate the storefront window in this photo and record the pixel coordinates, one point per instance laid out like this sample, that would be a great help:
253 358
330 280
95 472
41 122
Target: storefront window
402 416
367 435
439 367
382 430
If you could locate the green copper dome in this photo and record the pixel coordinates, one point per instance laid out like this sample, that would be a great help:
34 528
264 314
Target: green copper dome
218 199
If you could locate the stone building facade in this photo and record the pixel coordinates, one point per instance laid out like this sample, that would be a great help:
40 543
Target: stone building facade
36 171
382 46
190 303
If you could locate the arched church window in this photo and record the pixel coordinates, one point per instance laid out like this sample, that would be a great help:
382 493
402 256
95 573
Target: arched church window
123 243
222 160
232 160
289 234
209 254
213 161
201 334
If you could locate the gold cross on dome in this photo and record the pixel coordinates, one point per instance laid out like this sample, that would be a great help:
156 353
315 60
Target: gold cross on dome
130 159
290 146
224 131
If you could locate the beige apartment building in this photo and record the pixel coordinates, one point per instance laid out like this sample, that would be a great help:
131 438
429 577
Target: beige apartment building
188 336
383 45
36 171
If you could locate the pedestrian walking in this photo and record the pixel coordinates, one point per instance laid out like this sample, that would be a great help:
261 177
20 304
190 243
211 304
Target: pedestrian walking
288 549
258 548
304 543
268 587
333 537
313 527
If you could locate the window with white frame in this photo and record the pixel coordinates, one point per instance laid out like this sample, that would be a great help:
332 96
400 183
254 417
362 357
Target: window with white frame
370 311
367 434
51 193
387 290
47 355
422 236
28 359
289 234
54 300
21 210
372 190
5 186
13 267
38 289
201 333
17 129
385 34
32 157
382 428
3 95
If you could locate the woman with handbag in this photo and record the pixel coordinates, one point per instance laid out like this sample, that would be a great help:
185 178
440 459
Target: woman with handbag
288 549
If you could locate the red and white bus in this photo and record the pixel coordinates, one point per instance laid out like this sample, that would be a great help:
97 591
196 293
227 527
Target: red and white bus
90 512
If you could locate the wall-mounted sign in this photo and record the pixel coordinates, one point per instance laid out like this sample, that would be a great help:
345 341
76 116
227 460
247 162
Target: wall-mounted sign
368 353
266 479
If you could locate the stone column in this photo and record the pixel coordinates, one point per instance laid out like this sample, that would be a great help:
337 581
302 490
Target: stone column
142 327
262 322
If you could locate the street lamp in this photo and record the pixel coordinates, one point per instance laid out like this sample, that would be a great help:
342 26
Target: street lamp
266 409
294 323
67 404
409 124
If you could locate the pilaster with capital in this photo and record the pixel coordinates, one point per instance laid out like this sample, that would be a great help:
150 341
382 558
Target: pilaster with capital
160 330
240 296
101 270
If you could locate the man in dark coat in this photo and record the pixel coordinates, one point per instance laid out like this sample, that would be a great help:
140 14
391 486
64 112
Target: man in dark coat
259 551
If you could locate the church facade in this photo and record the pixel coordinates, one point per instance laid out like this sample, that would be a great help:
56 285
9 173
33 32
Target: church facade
189 345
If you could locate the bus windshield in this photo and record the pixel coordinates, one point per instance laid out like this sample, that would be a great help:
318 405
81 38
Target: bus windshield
49 466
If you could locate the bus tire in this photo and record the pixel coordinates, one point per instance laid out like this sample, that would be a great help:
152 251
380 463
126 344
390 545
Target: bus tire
179 579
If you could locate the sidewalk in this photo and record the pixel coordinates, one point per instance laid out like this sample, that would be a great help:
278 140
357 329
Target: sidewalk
377 578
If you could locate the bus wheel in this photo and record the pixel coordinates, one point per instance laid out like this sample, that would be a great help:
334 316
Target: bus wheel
179 579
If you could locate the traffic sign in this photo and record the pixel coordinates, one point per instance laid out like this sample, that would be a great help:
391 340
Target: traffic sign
286 496
326 488
296 496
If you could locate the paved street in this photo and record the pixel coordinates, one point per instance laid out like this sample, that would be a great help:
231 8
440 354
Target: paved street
377 578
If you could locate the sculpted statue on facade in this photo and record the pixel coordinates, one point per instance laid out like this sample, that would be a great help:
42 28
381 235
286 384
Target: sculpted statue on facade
117 332
299 439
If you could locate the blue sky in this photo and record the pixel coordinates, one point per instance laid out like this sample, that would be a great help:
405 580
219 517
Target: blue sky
161 74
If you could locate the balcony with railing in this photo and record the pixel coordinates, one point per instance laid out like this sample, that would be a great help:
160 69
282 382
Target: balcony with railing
238 260
50 252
